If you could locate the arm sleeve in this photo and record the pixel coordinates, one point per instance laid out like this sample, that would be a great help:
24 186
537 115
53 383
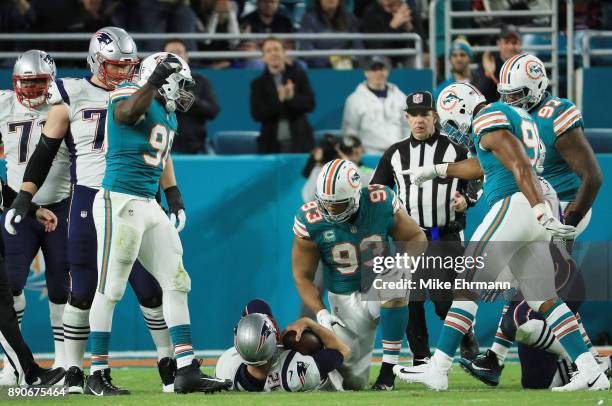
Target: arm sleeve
327 360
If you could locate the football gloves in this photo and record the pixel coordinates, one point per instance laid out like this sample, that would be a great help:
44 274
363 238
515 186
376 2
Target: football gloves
18 211
420 175
169 65
176 207
545 218
327 320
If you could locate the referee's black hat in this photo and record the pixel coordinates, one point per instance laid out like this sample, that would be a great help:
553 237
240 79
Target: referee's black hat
419 102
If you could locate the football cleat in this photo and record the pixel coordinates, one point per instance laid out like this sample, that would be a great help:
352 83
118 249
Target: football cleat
605 363
485 368
100 384
469 345
44 376
191 379
167 371
582 382
430 375
420 361
74 380
385 380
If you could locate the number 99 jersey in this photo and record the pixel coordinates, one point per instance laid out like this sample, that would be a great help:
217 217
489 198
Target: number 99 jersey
136 154
342 246
499 181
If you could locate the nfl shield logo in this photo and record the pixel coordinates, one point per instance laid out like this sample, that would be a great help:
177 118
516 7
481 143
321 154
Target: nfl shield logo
353 229
83 214
417 98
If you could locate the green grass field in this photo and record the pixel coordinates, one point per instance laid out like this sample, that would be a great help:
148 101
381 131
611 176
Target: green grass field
145 387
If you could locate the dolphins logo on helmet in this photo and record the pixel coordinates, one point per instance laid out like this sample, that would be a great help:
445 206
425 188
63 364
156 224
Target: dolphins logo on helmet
449 100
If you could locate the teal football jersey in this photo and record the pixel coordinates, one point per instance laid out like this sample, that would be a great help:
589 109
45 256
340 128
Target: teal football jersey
499 181
343 246
136 154
554 117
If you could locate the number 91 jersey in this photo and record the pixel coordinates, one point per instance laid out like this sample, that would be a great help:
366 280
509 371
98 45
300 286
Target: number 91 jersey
136 154
343 246
499 181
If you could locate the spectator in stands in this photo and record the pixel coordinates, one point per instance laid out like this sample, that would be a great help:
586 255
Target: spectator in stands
461 56
392 16
48 19
373 112
192 124
360 6
161 16
16 16
266 19
330 16
219 17
122 14
280 99
508 44
90 17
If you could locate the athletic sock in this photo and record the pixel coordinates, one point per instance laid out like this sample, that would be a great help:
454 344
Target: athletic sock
176 313
501 343
458 321
154 318
563 324
393 323
76 332
19 304
101 321
585 337
56 312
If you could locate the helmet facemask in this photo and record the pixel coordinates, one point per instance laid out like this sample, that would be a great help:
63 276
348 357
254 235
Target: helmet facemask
113 79
32 90
520 98
458 133
351 207
178 92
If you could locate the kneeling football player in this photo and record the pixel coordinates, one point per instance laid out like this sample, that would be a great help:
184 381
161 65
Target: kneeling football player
259 363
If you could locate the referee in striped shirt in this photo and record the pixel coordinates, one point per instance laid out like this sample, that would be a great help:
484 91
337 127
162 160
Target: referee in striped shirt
438 206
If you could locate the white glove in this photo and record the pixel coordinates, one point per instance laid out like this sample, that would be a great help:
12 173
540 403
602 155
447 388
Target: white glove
11 219
420 175
327 320
546 219
182 219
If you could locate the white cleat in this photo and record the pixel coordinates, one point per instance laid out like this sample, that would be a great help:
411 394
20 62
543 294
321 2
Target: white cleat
428 374
580 382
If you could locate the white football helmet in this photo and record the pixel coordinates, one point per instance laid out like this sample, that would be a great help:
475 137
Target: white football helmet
522 81
177 91
455 107
338 188
33 72
112 46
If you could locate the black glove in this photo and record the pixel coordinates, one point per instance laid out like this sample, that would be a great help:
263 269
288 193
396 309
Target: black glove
169 65
18 211
176 207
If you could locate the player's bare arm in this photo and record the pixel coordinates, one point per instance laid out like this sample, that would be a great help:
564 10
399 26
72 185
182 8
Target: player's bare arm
305 259
329 339
468 169
407 230
511 153
576 151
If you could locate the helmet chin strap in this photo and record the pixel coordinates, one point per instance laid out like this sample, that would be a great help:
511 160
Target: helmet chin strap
170 106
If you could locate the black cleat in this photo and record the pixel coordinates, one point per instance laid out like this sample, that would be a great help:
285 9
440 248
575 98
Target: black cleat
191 379
485 368
167 371
100 384
74 380
42 376
469 346
386 378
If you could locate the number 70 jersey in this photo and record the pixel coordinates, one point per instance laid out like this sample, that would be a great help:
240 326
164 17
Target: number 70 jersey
136 154
342 246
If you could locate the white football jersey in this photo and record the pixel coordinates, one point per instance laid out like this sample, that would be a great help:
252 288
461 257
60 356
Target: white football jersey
21 128
291 371
87 104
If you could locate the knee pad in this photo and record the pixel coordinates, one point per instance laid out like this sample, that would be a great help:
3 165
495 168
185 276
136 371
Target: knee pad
535 333
536 304
80 303
151 302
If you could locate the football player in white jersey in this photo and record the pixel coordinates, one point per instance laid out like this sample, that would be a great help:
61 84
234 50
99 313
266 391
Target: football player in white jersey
23 113
78 116
257 363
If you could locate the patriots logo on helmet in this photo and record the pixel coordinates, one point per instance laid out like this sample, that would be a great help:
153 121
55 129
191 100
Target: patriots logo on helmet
302 367
449 100
104 38
266 330
534 70
47 59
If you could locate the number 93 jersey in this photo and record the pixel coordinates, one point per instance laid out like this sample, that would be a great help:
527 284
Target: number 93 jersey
21 128
499 181
136 154
555 117
343 247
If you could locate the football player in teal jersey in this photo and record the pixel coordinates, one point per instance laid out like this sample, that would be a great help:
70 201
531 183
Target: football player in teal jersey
571 168
131 225
508 147
346 221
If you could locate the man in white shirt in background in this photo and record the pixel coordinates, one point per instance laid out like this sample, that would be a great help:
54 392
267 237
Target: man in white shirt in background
373 112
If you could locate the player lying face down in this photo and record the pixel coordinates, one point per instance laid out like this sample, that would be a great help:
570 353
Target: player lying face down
258 362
